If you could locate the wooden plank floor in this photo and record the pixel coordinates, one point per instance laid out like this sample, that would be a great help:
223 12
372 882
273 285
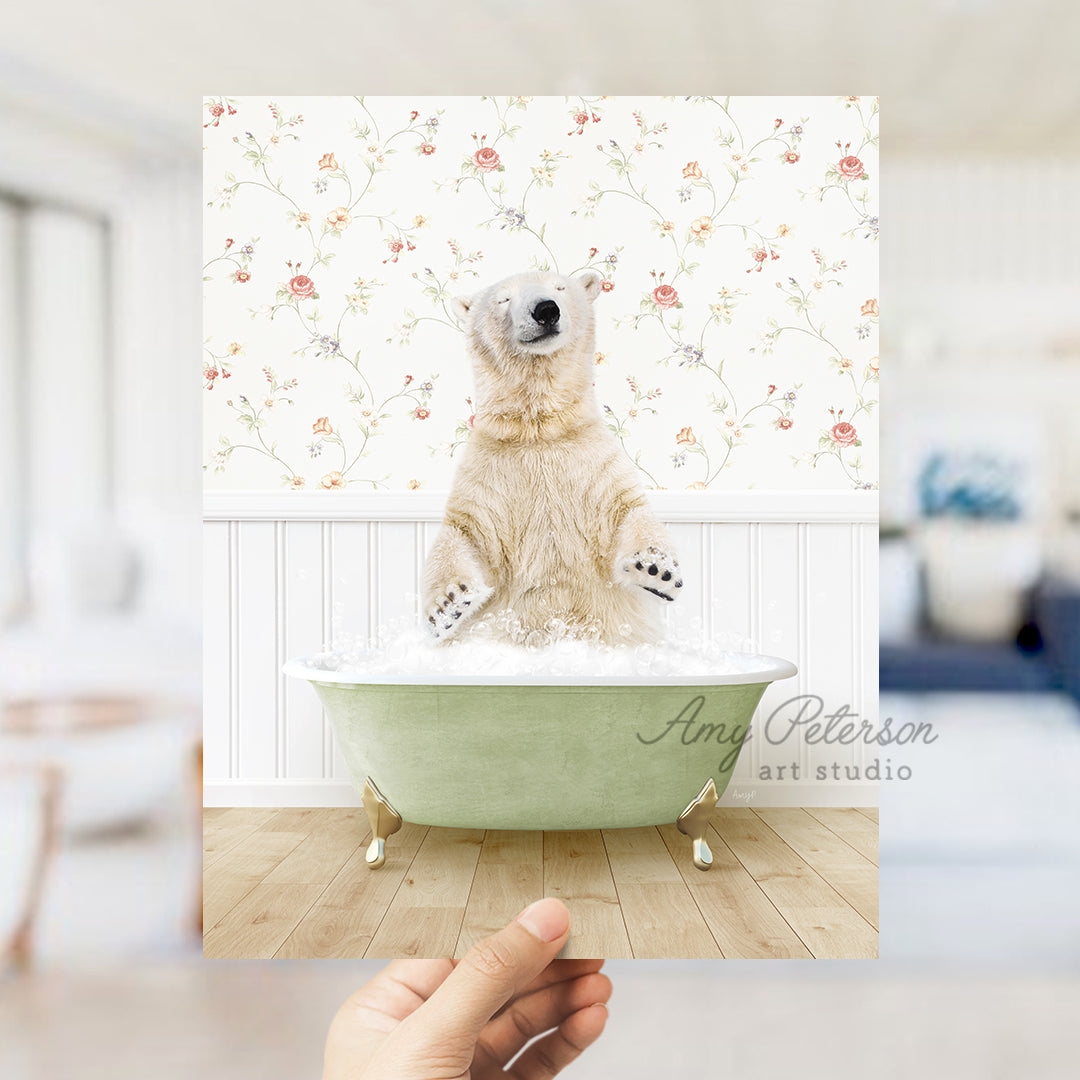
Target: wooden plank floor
785 884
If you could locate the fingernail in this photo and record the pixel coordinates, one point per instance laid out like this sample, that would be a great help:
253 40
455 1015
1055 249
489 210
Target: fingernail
545 919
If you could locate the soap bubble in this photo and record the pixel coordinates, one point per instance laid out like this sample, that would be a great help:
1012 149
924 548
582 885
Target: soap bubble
645 655
498 644
396 651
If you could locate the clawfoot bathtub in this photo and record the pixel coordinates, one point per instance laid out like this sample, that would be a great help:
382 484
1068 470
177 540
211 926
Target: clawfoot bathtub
532 752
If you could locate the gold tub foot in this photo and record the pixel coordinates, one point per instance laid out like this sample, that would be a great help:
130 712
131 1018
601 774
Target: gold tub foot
694 820
384 819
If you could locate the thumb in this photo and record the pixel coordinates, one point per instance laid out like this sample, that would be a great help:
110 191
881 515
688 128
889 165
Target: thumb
491 973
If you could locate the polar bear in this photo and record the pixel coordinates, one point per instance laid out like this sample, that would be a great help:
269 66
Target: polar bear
546 515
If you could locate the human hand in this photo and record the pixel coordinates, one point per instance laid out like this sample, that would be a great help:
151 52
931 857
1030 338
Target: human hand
449 1020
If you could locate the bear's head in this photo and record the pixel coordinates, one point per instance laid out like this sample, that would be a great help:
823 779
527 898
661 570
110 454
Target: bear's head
531 338
531 314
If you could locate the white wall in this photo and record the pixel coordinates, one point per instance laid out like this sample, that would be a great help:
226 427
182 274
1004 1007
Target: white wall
982 317
794 572
12 585
103 389
158 480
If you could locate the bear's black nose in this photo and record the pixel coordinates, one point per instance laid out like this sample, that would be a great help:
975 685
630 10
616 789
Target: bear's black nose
546 313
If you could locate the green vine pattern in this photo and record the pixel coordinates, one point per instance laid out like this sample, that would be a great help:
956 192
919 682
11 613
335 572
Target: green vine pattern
725 325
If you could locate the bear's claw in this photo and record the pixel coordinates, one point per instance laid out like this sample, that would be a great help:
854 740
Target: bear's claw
453 604
649 568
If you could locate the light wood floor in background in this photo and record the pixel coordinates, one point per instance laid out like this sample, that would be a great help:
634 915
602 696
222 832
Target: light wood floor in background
785 883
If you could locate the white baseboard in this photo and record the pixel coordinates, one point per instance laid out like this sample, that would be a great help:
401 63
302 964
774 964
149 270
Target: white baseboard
290 793
279 793
780 793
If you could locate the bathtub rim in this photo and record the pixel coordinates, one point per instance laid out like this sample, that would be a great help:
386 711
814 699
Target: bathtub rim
777 670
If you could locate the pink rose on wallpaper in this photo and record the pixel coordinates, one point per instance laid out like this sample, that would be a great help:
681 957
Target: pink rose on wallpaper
322 426
691 171
328 161
581 119
302 287
606 285
665 296
790 157
296 482
421 413
686 437
843 434
851 168
334 481
427 149
869 308
242 276
487 160
784 423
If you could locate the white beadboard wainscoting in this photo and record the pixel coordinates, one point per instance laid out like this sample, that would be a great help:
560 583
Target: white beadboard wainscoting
793 572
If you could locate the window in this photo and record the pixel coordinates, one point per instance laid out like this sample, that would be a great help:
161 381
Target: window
56 415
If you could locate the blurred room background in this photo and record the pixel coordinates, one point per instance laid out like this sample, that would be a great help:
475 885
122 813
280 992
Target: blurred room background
980 548
99 566
99 572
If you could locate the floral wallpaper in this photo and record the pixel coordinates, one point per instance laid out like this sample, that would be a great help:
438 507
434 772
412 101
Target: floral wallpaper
737 334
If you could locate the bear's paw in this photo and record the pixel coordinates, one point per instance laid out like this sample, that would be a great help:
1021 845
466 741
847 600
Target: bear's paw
452 607
654 571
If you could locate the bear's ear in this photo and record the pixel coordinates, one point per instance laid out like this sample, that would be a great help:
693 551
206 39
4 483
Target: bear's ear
590 282
460 306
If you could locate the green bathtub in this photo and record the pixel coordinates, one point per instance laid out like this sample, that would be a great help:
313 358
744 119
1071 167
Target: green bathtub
533 752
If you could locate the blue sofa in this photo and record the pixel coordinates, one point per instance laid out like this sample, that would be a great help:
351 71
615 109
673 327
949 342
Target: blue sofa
1045 656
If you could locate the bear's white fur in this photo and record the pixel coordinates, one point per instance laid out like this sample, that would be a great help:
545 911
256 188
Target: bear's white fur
546 516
